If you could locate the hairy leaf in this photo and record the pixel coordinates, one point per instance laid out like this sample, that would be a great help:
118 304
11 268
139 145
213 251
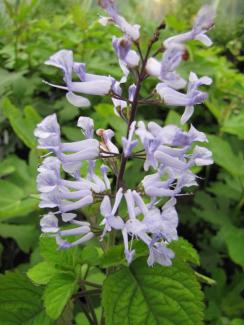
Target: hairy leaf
158 295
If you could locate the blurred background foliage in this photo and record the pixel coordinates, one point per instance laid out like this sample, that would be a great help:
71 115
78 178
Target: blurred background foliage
211 219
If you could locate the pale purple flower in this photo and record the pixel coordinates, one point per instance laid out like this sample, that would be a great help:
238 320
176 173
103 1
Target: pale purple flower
48 133
128 143
153 223
119 104
110 219
70 154
49 224
150 144
91 85
193 96
159 253
165 70
67 216
81 150
104 170
63 60
107 145
87 126
155 187
193 92
128 58
132 31
201 156
203 22
174 136
131 92
50 164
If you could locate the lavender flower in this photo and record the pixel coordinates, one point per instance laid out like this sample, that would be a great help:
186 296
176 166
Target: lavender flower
48 135
165 70
154 229
129 144
127 58
203 22
111 221
193 96
89 84
49 225
132 31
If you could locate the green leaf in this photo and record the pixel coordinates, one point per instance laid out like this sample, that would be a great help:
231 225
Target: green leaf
21 184
67 316
225 157
7 78
13 200
20 301
25 235
235 125
185 251
22 124
234 238
58 293
158 295
114 256
42 272
5 169
91 255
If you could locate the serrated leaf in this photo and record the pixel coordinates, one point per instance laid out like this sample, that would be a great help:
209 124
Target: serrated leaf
42 272
20 301
58 293
152 296
185 251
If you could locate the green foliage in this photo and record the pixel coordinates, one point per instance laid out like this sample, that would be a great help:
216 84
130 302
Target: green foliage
21 301
163 295
57 294
23 126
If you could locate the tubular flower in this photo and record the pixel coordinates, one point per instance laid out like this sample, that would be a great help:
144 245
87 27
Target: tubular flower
89 84
132 31
203 22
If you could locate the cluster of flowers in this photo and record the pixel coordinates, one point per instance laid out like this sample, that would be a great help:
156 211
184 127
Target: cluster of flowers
169 151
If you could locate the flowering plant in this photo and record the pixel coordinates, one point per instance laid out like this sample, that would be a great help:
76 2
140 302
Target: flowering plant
72 177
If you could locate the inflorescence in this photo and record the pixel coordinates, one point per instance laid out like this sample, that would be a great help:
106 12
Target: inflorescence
169 153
